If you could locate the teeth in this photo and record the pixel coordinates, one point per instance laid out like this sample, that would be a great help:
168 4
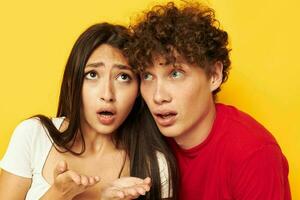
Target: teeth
106 116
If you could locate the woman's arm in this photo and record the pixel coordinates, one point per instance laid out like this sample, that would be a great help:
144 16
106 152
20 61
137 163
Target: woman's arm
13 187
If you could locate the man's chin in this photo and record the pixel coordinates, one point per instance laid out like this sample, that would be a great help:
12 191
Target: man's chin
169 131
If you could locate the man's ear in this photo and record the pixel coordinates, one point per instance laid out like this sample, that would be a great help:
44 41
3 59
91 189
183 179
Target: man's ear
216 76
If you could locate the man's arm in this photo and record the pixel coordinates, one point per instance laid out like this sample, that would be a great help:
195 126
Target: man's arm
263 175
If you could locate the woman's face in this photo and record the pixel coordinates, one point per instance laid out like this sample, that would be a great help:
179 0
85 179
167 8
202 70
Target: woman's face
109 90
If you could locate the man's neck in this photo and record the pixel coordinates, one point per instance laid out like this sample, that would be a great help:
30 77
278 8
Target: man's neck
197 134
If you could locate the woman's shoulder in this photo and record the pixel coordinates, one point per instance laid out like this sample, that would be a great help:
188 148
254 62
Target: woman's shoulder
27 128
27 145
34 122
33 126
29 123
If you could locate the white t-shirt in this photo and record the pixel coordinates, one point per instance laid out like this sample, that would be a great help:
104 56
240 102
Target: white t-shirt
29 148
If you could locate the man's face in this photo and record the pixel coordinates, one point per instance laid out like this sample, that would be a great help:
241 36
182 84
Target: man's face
179 98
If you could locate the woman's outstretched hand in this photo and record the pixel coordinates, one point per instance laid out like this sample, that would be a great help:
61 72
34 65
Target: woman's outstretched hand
126 188
68 183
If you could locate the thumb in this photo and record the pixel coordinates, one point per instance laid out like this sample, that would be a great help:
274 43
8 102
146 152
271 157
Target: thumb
60 168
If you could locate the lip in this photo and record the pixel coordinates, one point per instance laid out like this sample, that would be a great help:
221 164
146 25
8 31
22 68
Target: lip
106 119
165 117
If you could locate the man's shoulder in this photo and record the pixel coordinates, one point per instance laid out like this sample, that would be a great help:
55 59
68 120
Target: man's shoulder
243 131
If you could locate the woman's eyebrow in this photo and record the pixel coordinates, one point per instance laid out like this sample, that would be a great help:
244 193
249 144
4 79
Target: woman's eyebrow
101 64
121 66
95 64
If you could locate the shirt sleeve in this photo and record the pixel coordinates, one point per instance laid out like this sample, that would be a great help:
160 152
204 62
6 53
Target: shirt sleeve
263 175
164 176
17 159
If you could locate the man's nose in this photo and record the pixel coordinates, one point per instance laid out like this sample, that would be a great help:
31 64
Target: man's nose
161 94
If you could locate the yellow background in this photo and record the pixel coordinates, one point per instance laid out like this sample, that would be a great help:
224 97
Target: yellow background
36 38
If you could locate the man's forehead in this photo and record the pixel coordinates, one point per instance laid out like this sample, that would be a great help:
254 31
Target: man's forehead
172 59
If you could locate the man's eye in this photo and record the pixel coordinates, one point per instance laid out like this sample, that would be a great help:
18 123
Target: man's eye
123 77
176 74
91 75
147 76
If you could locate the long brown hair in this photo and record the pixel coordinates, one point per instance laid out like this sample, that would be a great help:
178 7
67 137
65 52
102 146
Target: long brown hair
138 135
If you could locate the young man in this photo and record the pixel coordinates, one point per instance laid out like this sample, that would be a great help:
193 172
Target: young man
222 152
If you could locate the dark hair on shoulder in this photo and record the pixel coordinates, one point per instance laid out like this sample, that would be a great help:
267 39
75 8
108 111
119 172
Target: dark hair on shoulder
192 30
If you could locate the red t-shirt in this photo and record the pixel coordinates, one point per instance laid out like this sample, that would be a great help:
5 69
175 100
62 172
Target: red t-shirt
239 160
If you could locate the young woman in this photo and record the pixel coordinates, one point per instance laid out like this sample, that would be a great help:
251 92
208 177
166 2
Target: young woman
102 133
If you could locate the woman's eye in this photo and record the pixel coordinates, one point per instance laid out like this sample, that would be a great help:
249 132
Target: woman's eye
124 77
147 76
176 74
91 75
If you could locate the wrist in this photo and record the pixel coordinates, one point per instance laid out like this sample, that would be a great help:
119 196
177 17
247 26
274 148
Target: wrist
54 193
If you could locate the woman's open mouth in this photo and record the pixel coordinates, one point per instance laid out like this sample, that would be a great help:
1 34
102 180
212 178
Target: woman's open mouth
106 117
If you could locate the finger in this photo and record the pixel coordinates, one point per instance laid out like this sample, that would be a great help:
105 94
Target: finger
146 187
147 180
141 190
115 193
97 178
60 168
136 180
84 180
136 191
147 184
93 180
74 177
130 191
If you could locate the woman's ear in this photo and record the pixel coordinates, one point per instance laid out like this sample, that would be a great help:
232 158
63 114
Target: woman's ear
216 76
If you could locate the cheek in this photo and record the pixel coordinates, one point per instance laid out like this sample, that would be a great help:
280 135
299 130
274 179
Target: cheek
127 96
147 93
84 96
88 96
192 95
198 87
